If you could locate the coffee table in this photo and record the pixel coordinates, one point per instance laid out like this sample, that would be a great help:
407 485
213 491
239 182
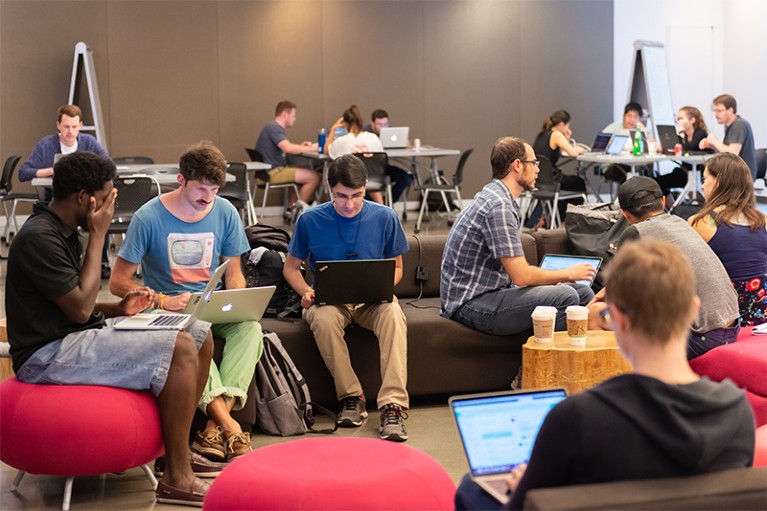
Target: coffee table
574 368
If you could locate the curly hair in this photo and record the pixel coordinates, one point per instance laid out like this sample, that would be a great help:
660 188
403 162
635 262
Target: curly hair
81 170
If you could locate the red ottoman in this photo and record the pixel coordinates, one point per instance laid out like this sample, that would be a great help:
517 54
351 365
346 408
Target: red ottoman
745 363
333 474
74 430
760 449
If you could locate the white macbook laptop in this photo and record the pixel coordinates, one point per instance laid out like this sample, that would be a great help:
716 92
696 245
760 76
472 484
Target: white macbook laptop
173 321
616 144
394 138
498 431
562 262
233 305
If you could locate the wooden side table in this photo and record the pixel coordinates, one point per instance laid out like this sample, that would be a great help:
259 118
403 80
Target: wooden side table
574 368
6 366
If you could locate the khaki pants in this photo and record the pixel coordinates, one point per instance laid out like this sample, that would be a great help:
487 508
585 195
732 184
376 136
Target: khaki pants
388 323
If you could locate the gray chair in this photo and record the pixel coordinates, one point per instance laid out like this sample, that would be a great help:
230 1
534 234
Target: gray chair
238 192
548 193
133 191
11 199
132 160
443 189
761 162
378 181
263 181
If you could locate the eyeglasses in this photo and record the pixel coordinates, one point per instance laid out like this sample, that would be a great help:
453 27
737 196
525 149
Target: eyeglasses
537 163
718 110
345 198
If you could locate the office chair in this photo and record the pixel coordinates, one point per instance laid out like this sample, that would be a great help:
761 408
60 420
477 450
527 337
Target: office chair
761 162
378 181
443 189
238 192
7 195
262 181
548 193
133 191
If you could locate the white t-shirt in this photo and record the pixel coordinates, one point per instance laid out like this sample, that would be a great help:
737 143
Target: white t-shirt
348 144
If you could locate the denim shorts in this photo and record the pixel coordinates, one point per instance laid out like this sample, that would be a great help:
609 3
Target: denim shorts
128 359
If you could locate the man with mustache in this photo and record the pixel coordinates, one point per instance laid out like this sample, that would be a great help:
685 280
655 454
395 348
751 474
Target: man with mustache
179 238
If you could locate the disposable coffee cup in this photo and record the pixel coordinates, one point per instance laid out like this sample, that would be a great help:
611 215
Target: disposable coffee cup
543 323
577 324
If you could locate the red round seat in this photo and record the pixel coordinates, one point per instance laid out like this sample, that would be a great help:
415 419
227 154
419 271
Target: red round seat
333 474
73 430
760 447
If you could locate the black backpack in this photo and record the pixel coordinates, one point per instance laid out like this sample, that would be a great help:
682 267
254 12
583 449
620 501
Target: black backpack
283 403
268 271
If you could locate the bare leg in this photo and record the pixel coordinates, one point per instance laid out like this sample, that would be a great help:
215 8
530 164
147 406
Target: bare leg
219 412
376 197
308 179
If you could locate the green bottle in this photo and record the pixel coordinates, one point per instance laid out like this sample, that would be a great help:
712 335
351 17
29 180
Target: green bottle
638 149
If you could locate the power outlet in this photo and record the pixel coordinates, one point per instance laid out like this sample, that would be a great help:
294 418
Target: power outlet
421 274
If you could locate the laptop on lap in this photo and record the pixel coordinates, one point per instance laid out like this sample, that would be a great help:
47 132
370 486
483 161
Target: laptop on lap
173 321
354 281
562 262
498 431
233 305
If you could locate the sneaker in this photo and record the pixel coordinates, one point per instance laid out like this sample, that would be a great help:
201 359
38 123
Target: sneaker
201 466
168 494
106 272
237 444
392 427
352 412
210 443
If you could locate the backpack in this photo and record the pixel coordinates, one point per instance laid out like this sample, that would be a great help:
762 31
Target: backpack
268 271
283 403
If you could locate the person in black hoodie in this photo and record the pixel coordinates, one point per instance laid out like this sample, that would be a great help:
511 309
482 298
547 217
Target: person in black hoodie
662 420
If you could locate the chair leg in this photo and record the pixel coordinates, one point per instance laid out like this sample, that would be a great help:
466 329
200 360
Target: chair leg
17 480
424 199
149 475
67 493
263 202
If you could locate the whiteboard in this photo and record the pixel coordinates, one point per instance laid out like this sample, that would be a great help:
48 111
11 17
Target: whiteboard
649 84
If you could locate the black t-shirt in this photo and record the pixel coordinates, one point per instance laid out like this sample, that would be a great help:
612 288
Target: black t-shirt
43 264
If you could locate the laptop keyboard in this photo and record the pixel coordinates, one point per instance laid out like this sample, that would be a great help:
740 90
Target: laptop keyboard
168 320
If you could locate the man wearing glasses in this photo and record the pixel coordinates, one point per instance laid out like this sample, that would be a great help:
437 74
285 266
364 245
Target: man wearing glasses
486 283
738 136
352 228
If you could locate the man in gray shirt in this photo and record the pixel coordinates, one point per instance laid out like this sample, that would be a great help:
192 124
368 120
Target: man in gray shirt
738 136
642 203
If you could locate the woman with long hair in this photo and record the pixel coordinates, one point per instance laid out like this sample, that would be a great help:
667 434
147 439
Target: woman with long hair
735 230
692 129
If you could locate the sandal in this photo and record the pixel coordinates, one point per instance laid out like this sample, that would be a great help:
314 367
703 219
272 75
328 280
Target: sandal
168 494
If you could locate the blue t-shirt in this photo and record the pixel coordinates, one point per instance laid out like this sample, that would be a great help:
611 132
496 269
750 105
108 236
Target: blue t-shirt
272 134
178 256
374 233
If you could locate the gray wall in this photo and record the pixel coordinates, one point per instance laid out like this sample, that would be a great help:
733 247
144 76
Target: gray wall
459 73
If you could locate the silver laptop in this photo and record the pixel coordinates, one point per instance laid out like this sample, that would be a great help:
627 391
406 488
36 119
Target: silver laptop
600 143
498 431
173 321
354 281
616 144
233 305
394 138
562 262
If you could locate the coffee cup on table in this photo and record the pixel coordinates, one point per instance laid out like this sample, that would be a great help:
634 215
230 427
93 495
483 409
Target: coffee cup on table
544 319
577 324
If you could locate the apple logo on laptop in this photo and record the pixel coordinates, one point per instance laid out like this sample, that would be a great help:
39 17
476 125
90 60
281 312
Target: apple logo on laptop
227 308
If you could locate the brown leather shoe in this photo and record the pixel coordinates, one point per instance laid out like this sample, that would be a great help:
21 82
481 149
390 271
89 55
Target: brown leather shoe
210 443
168 494
237 444
201 466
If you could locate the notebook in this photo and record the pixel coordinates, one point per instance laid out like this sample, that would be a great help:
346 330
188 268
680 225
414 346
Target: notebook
600 142
233 305
173 321
668 138
394 138
498 431
354 281
616 144
562 262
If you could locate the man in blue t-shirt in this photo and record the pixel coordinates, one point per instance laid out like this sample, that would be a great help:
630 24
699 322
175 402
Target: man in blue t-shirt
179 238
350 227
273 144
738 135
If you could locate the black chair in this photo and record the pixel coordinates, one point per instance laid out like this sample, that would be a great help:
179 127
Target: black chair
548 193
132 160
443 189
8 196
378 181
263 181
133 191
238 192
761 162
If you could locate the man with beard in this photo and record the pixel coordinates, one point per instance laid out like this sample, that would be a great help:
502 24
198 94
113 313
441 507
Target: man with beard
486 283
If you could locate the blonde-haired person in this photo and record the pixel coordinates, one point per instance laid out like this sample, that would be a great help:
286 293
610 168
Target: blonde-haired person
662 419
735 230
354 141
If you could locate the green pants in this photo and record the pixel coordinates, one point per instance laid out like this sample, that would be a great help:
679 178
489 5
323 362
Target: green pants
244 343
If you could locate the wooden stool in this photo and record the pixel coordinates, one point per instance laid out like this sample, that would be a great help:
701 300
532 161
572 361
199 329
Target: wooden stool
574 368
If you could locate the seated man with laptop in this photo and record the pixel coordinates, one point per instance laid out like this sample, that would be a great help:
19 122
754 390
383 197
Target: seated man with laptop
400 178
661 420
353 230
179 238
60 335
486 283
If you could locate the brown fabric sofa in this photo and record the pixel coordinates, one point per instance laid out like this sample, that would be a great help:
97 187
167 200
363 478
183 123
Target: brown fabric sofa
741 488
444 357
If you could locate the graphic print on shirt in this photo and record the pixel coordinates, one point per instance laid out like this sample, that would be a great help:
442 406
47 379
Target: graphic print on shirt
190 256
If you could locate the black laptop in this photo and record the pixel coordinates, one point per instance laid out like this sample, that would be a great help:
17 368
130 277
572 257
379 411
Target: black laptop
668 138
354 281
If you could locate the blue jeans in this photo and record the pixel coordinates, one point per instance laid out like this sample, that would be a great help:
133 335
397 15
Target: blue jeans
470 496
507 311
698 344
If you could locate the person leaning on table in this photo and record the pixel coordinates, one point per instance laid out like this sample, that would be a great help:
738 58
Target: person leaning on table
661 420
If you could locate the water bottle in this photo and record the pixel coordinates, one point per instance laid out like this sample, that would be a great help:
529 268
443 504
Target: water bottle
637 148
322 136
